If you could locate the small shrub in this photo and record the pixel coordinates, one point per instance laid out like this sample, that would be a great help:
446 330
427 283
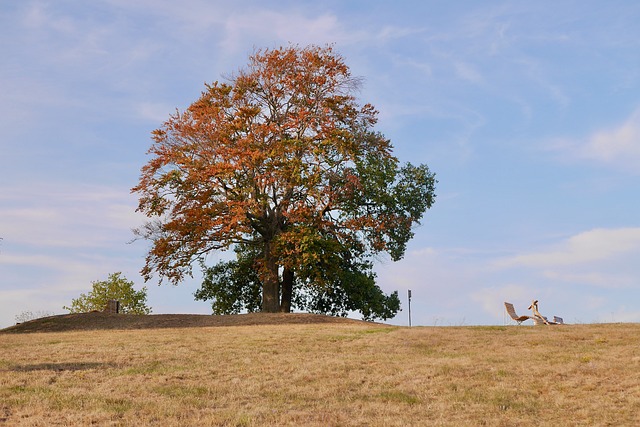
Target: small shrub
25 316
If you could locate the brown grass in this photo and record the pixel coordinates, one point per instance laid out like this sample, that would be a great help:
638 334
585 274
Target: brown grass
324 374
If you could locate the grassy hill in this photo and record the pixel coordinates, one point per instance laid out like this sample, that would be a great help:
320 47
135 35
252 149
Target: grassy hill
104 321
256 370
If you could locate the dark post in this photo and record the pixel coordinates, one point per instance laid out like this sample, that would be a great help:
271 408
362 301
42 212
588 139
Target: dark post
409 293
113 307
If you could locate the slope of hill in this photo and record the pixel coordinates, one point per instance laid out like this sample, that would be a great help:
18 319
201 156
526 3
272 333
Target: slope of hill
104 321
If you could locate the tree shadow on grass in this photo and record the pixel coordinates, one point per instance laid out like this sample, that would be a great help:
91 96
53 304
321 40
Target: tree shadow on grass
59 367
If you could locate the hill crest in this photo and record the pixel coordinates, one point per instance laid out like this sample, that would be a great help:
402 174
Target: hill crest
105 321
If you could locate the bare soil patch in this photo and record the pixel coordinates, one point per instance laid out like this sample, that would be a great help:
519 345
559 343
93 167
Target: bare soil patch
104 321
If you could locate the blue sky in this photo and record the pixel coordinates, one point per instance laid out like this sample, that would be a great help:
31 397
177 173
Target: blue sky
528 112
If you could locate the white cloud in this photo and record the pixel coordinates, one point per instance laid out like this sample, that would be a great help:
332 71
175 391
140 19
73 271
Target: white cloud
491 299
605 279
155 112
187 15
36 279
60 237
600 258
78 215
581 249
424 67
271 26
617 147
38 17
441 281
274 27
624 315
391 32
70 40
467 72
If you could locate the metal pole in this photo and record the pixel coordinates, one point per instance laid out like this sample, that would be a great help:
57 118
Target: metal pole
409 293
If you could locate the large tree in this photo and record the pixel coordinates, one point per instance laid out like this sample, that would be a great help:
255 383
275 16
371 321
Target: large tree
283 159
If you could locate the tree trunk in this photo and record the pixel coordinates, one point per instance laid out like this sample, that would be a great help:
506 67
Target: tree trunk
270 284
287 290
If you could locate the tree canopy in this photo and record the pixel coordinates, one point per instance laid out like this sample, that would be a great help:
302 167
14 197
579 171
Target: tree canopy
116 287
283 160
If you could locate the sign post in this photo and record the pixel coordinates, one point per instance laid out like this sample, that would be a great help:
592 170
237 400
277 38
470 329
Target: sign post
409 294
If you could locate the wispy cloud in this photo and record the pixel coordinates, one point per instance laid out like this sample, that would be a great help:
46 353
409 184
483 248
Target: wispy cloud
601 278
617 147
37 16
490 298
600 257
75 216
156 112
389 32
468 72
271 28
584 248
59 239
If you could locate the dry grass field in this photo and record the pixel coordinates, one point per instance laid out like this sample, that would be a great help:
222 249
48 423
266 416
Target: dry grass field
320 373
